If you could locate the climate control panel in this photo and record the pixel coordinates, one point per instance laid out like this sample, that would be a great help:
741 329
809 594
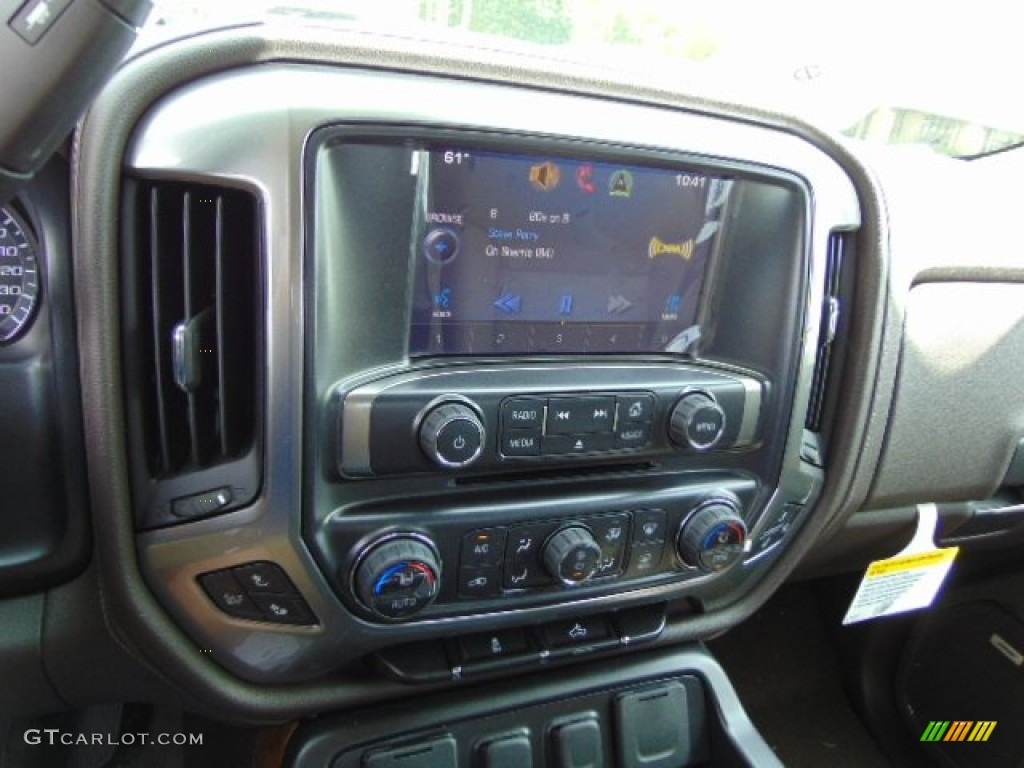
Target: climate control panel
487 419
461 561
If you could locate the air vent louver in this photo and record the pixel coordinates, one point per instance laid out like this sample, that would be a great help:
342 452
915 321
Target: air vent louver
196 324
838 243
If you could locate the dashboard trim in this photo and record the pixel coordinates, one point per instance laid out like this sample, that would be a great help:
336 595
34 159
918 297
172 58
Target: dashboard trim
134 612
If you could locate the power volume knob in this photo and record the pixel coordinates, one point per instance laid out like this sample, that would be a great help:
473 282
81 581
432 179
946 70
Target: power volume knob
398 577
572 555
697 421
452 435
712 538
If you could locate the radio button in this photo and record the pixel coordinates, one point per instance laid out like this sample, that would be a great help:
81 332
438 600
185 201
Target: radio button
523 413
580 415
554 445
520 442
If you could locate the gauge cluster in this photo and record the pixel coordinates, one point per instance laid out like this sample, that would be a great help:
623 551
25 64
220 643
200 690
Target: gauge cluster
19 276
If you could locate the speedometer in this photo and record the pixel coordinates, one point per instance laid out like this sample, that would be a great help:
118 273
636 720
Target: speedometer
19 276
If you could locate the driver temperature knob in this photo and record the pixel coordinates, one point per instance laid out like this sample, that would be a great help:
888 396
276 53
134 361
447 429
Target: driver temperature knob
398 576
712 538
697 421
452 435
572 555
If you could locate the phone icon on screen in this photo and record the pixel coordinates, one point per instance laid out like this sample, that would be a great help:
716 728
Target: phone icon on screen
585 179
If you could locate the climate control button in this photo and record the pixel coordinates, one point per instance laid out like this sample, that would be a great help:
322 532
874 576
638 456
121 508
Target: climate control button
398 577
572 555
712 538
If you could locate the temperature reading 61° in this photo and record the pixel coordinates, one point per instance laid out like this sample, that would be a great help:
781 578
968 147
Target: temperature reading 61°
19 276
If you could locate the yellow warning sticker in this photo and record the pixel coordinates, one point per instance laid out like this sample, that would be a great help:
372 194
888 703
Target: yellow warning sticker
907 581
910 562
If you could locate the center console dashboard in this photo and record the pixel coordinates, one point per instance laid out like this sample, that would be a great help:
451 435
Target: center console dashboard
527 383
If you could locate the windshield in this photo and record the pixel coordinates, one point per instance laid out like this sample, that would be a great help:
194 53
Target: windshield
876 70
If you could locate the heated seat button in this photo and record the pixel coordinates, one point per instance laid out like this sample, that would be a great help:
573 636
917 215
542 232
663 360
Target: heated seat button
228 595
580 415
284 610
264 578
523 413
648 526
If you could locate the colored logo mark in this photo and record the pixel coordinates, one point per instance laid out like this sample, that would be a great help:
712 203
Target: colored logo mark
958 730
565 306
620 184
545 176
673 303
658 247
440 245
585 179
510 303
443 300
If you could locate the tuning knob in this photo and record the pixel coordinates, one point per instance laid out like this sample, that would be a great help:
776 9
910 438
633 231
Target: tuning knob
572 555
697 421
713 536
398 576
452 435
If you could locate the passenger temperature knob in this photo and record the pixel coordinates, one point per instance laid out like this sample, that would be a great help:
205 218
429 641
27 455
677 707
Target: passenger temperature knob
697 421
452 435
398 576
713 536
572 555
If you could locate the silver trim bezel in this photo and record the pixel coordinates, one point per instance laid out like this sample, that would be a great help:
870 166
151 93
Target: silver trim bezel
249 127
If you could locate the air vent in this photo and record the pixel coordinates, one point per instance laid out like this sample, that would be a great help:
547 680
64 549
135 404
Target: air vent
192 334
838 243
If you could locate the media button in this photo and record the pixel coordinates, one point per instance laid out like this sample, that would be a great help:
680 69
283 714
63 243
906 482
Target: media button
520 442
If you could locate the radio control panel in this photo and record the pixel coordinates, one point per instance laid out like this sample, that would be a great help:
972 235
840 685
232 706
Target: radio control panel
488 419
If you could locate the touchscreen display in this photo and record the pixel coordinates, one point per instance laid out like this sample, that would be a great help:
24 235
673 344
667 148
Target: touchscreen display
519 254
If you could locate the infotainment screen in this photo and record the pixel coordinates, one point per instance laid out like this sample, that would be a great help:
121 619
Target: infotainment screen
527 254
